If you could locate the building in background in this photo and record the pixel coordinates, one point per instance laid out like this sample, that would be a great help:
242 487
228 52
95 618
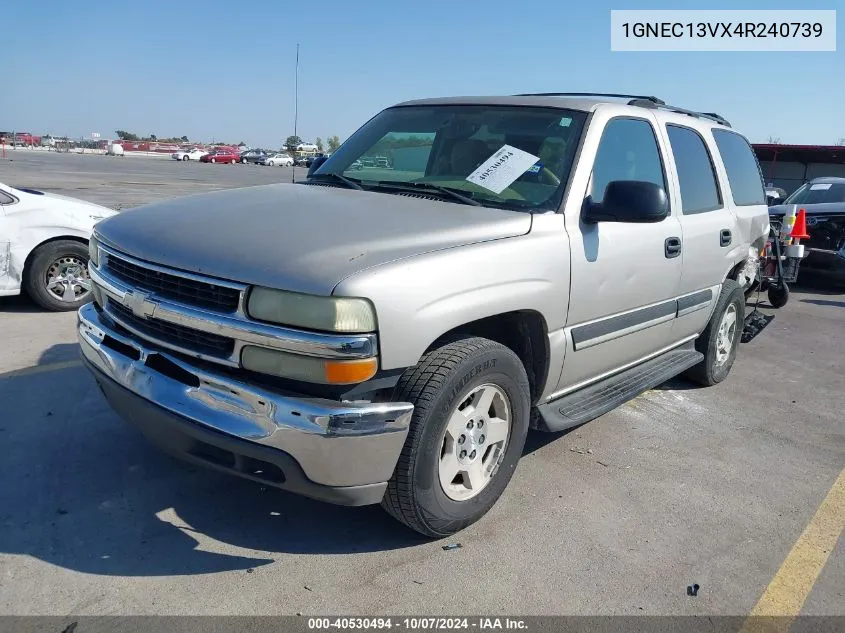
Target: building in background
790 166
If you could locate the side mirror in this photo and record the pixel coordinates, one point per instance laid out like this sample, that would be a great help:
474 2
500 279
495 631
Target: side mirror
772 200
629 201
315 164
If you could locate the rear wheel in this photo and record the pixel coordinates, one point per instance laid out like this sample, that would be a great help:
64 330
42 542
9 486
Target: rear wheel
57 276
720 340
213 160
471 409
185 157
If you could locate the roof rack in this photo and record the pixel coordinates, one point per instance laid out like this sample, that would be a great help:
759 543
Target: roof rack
636 100
653 100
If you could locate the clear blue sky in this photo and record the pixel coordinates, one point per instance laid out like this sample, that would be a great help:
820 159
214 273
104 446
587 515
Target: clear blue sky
225 69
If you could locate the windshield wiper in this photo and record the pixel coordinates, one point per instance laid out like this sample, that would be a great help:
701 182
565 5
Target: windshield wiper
349 182
422 186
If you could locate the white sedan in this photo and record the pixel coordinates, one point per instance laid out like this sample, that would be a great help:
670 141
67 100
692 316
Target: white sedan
194 154
282 160
44 246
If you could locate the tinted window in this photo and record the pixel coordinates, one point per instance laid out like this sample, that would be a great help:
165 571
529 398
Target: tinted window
818 193
696 176
6 198
627 151
744 174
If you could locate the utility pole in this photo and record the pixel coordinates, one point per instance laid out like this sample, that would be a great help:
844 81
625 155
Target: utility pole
295 110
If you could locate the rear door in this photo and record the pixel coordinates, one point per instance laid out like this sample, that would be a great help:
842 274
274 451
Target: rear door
707 222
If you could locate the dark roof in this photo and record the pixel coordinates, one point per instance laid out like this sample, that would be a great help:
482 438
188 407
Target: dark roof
800 153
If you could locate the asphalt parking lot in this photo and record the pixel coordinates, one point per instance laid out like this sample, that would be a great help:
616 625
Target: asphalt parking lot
683 485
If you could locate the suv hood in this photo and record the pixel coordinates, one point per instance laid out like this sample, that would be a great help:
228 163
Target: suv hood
305 238
821 208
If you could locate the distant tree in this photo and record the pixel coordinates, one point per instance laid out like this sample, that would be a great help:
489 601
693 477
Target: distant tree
841 141
773 140
184 139
319 144
292 142
123 135
153 137
333 143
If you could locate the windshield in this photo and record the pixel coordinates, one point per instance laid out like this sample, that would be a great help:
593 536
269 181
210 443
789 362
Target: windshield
818 193
504 156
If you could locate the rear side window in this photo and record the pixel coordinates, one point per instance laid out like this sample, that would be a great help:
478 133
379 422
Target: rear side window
744 175
627 151
696 176
5 198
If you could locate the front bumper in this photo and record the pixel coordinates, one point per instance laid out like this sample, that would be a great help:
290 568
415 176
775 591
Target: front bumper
340 452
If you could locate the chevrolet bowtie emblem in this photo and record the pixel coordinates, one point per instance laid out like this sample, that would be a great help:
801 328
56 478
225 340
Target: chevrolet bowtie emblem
139 304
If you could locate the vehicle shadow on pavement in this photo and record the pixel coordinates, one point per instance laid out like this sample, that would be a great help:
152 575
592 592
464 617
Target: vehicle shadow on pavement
84 491
19 304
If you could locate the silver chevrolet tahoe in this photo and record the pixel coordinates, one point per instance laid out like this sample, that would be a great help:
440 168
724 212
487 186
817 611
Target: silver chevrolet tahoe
388 332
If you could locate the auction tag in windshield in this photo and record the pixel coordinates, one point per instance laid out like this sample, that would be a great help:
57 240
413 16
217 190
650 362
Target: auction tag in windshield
820 186
502 168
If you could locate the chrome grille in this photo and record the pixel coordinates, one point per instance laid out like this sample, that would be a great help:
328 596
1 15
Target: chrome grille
177 335
184 289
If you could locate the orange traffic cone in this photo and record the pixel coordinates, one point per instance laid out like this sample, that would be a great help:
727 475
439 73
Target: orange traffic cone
799 231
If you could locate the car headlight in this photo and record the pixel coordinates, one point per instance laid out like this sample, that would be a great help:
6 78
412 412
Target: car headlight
308 368
94 250
330 314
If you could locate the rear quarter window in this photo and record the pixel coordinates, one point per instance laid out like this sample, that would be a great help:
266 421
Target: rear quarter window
744 175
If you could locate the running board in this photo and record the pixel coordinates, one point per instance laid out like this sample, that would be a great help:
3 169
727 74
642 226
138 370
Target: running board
597 399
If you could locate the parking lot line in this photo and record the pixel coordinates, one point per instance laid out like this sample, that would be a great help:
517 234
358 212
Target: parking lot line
41 369
793 582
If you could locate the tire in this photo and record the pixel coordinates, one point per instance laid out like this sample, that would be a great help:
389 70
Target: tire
436 386
778 297
243 160
719 357
52 258
184 158
213 160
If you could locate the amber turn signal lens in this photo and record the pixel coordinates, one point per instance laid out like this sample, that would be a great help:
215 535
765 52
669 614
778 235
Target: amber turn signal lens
347 372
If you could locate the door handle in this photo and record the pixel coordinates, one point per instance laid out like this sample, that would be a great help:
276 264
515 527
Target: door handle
672 247
725 237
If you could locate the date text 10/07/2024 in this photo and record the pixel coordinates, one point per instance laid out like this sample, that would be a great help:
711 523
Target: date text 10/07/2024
417 624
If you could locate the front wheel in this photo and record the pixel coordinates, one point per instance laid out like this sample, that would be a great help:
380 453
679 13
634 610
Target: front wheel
720 340
185 158
57 276
213 160
471 410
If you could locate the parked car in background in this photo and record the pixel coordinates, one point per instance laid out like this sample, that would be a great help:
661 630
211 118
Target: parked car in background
305 161
221 156
44 246
279 159
823 200
189 154
254 156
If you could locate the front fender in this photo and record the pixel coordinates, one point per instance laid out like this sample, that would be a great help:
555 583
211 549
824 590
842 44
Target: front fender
419 299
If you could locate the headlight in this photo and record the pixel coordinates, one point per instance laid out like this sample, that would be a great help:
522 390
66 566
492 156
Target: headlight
329 314
308 368
94 250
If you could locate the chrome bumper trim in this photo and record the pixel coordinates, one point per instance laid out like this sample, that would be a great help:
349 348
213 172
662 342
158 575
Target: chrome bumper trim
334 346
335 443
